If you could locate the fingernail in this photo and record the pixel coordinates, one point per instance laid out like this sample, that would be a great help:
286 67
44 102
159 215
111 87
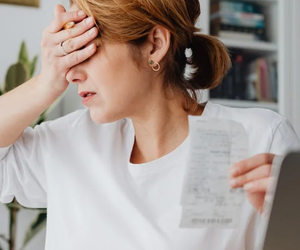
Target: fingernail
81 13
92 31
91 47
89 20
248 186
233 182
234 171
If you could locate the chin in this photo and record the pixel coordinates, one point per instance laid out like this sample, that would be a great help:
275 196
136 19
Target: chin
100 117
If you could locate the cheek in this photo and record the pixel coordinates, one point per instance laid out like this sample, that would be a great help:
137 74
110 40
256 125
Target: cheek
117 82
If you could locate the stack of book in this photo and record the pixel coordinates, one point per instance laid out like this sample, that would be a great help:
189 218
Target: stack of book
261 80
234 83
254 80
237 20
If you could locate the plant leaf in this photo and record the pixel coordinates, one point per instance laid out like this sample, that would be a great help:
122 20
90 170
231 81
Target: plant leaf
37 225
4 238
33 66
13 205
23 55
16 75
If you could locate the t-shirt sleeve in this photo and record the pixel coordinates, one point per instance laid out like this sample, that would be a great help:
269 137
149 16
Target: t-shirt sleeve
22 170
285 139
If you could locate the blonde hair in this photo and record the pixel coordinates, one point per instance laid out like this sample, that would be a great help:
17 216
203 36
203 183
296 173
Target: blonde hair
124 21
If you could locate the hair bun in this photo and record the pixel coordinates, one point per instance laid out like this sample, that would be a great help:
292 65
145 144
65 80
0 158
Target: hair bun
210 61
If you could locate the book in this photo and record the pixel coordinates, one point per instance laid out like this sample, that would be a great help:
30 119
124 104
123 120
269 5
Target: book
238 76
251 80
234 32
235 35
235 6
260 80
238 17
264 79
272 72
233 85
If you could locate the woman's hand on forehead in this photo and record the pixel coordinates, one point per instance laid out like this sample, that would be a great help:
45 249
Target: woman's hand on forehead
64 45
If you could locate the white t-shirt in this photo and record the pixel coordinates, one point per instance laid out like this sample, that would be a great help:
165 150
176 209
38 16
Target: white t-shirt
97 199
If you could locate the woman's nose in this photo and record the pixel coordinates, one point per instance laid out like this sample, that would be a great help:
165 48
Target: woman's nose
76 76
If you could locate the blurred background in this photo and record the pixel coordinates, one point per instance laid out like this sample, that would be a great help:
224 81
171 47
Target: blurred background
262 36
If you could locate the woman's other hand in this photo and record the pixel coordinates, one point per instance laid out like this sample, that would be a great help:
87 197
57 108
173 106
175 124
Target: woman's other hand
55 65
253 175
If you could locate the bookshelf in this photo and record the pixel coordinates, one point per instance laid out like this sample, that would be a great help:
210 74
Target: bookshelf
256 46
282 19
253 49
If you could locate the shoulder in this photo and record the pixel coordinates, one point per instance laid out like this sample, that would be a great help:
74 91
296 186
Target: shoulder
79 120
251 118
267 130
66 122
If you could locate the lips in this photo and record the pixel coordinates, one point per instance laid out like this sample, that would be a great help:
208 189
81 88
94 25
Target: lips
85 94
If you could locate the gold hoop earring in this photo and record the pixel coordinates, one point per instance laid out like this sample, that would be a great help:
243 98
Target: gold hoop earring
155 65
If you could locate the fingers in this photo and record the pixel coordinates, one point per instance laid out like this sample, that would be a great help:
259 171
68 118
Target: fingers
253 175
260 185
79 56
247 165
62 17
256 174
56 60
77 30
78 42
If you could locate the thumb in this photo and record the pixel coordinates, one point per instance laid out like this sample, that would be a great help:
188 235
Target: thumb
59 9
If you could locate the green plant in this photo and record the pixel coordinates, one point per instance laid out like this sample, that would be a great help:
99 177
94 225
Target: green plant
16 75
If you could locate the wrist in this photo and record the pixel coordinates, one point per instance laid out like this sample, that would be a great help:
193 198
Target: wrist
47 87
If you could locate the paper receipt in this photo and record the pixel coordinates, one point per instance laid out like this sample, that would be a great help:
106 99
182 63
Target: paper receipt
207 199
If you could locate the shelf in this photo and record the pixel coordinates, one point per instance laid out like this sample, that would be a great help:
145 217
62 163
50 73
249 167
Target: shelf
246 104
256 49
260 2
254 46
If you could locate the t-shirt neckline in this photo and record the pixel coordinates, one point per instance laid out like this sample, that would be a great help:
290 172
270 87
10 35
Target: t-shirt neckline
165 161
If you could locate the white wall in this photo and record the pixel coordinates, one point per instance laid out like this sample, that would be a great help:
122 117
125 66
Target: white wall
19 23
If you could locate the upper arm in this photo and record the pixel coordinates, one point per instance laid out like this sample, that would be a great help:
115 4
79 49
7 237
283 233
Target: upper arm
22 170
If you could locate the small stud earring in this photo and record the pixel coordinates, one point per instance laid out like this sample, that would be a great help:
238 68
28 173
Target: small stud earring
155 65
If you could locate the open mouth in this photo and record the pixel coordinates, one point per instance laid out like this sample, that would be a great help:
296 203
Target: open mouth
85 94
89 94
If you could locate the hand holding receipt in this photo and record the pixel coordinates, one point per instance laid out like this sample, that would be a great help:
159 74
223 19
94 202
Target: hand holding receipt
207 198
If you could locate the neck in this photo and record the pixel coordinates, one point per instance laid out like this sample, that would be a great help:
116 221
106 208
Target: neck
159 131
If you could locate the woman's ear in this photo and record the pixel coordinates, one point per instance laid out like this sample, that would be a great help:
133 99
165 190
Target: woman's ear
159 41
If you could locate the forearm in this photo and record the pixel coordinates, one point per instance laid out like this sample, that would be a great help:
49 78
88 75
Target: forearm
21 107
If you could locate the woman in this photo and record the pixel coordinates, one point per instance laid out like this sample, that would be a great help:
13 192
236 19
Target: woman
111 175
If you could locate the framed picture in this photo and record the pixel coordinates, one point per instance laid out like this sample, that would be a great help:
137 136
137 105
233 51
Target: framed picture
34 3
